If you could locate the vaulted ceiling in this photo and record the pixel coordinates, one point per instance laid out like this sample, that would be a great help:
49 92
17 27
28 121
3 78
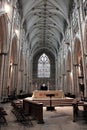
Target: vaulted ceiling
45 22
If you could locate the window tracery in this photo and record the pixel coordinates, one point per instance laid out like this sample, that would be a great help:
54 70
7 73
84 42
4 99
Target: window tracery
75 20
44 66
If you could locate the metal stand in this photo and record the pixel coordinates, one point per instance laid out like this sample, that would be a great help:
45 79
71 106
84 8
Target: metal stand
50 108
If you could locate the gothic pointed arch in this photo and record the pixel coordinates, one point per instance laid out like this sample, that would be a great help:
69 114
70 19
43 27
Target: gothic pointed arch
49 76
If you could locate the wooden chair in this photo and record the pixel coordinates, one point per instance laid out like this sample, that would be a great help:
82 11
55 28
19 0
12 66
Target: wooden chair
20 115
2 116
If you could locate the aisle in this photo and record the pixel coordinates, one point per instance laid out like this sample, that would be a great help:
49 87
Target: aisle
61 119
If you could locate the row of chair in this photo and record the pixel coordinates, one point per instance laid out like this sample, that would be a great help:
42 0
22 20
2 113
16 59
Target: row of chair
19 113
2 116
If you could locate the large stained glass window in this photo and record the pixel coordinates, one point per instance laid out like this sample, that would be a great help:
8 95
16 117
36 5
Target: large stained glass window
44 66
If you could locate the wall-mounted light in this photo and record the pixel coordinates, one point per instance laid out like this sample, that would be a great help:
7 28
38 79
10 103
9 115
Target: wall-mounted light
10 63
7 8
17 32
71 74
79 70
10 69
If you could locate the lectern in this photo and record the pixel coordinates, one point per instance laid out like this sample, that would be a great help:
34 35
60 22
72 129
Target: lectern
50 108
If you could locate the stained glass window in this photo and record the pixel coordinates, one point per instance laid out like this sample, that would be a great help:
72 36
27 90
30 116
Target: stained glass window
44 66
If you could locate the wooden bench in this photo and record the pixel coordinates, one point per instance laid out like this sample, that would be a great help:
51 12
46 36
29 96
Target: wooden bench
34 109
76 105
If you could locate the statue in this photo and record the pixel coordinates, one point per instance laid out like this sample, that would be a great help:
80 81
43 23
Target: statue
43 87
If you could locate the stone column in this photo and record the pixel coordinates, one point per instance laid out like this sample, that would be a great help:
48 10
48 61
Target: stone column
69 82
59 69
56 74
64 83
13 77
2 60
27 76
25 83
5 76
10 45
75 78
30 76
22 80
15 67
82 42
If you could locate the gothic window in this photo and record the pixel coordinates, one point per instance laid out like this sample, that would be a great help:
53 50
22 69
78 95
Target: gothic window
43 66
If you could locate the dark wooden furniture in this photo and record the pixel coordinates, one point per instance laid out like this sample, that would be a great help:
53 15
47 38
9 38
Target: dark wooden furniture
2 115
76 105
34 109
20 114
50 108
55 102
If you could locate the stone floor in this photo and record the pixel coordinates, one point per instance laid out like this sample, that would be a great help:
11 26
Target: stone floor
60 119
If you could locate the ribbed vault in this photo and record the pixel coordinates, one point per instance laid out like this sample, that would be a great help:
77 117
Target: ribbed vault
45 22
